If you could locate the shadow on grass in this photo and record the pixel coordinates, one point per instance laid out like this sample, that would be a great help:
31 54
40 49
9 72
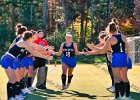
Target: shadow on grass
80 94
43 94
51 94
135 95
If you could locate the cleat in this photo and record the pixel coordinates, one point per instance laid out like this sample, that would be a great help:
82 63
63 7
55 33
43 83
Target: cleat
64 87
31 89
111 89
11 98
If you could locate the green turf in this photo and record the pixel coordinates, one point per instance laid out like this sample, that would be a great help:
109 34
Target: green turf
89 83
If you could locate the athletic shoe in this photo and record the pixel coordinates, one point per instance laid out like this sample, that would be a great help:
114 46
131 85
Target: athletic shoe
64 87
19 97
111 89
25 90
11 98
23 94
31 89
41 87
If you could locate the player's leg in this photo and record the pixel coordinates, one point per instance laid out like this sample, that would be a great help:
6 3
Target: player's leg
70 76
116 73
64 76
11 83
126 81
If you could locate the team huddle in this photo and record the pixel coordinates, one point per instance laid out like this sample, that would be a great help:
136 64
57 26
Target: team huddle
29 51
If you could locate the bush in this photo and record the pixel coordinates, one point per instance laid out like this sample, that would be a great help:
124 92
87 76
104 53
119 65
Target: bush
58 38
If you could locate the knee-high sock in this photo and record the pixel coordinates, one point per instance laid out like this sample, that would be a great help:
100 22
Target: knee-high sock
22 83
10 90
17 88
127 88
117 89
63 77
122 88
70 78
29 82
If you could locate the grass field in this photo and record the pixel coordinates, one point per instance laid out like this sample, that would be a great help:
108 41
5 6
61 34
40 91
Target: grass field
89 82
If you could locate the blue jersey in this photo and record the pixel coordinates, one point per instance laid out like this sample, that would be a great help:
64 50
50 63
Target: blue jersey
119 47
18 38
68 51
119 57
16 51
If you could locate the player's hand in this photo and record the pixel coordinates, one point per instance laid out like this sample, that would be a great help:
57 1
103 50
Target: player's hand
53 52
87 53
49 57
51 48
90 45
82 53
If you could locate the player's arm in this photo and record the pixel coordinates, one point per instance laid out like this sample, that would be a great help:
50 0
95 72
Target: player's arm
33 52
60 50
95 47
101 50
38 48
76 50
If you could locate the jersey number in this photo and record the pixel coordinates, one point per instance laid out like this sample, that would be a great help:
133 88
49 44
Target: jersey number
121 47
68 54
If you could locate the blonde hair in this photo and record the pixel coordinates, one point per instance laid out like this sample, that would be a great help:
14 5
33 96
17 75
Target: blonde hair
68 34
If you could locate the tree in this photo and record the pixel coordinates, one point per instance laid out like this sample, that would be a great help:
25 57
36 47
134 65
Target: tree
137 10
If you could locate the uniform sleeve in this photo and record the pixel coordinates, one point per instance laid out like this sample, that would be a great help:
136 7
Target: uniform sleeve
36 42
45 43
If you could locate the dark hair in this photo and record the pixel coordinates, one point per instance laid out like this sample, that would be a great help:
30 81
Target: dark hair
18 26
27 35
20 29
38 31
34 32
102 36
115 21
112 27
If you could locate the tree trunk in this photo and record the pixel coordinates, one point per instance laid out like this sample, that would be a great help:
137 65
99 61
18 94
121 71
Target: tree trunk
108 10
31 13
45 5
92 22
20 11
82 43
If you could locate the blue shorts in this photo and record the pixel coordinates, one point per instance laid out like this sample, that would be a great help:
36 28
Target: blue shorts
69 61
26 62
119 60
129 63
7 61
17 63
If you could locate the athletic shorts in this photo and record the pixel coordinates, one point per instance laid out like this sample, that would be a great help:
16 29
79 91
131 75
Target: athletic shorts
27 62
119 60
129 63
69 61
7 61
17 63
39 62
